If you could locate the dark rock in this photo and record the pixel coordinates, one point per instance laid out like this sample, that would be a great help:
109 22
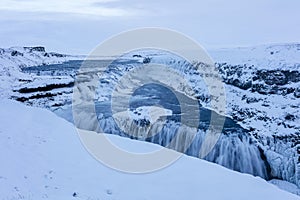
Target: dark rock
38 96
255 78
273 77
260 88
142 122
263 118
241 85
241 114
45 88
285 91
252 129
277 77
290 117
147 60
297 93
293 76
16 53
252 100
38 49
57 55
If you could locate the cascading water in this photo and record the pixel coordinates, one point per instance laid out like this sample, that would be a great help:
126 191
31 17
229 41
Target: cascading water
234 149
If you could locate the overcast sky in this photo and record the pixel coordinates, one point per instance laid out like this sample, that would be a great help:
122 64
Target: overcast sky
77 26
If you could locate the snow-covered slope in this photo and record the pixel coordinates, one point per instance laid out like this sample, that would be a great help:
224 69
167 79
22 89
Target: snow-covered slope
42 158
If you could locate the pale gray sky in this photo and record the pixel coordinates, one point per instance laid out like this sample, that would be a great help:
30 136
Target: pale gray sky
77 26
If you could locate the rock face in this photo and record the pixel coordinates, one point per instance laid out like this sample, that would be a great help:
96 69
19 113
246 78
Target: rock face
56 55
297 92
16 53
261 81
38 49
273 77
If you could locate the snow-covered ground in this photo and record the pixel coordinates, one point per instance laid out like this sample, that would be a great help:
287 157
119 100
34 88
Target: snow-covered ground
271 57
43 158
15 58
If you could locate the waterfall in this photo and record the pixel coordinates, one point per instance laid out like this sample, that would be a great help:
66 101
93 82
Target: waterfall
234 150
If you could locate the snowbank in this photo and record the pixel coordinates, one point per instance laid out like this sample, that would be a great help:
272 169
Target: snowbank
42 158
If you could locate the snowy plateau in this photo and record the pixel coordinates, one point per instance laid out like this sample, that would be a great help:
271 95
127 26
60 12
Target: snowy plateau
42 157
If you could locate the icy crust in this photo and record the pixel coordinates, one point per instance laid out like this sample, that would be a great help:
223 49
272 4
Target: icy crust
44 159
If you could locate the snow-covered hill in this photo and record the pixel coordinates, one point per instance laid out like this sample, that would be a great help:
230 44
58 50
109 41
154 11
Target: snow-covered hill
43 158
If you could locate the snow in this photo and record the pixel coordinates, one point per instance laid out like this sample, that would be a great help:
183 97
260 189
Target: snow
278 107
286 186
150 113
274 56
263 57
43 158
12 62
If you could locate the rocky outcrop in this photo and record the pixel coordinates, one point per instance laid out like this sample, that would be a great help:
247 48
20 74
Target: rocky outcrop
16 53
261 81
297 93
37 49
